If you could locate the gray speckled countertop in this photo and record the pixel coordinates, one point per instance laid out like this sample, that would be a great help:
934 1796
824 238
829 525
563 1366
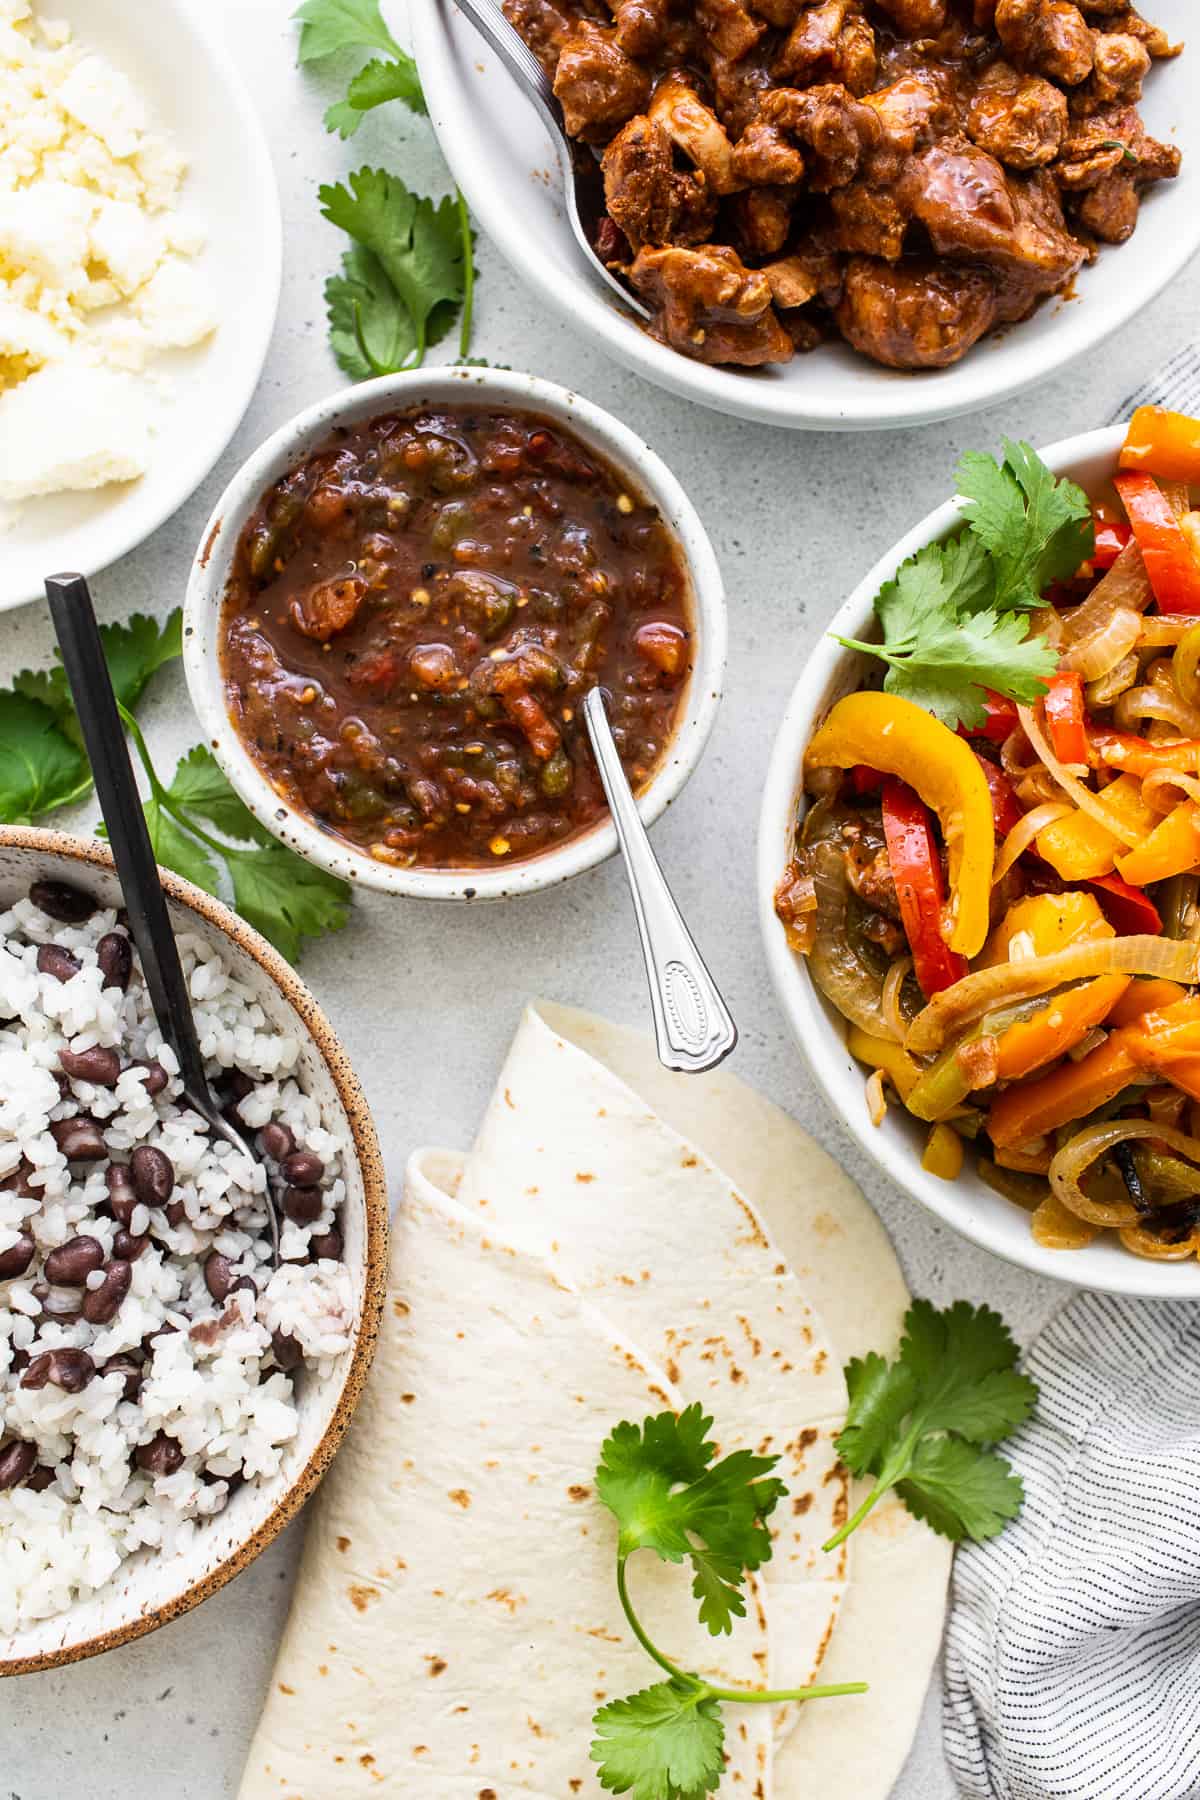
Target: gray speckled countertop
426 996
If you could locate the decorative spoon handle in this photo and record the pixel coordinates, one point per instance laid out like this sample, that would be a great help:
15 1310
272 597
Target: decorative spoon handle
694 1028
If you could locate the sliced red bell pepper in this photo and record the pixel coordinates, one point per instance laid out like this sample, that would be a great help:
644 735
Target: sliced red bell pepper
1006 808
1112 535
1173 571
865 780
917 872
1138 756
1128 909
1065 716
1000 723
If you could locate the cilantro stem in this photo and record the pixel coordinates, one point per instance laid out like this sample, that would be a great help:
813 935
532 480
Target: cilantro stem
162 794
894 1469
468 302
635 1625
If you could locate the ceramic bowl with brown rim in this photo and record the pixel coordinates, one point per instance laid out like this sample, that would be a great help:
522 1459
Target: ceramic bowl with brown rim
151 1588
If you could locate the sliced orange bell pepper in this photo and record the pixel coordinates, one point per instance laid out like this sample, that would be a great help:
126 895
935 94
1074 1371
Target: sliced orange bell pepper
1051 922
889 733
1031 1109
1137 756
1080 849
1167 553
1167 1043
1146 994
1163 443
1172 848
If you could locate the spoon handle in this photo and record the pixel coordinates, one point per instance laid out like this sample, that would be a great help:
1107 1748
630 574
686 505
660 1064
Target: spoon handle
692 1023
104 739
515 54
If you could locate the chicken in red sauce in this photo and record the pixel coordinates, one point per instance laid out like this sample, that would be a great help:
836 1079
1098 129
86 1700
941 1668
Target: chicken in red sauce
908 174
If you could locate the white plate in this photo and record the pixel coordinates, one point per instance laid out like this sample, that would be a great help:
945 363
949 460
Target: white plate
502 160
196 98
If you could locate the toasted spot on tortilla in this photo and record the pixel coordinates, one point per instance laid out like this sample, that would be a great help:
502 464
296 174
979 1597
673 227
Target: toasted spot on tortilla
531 1191
534 1727
804 1439
285 1689
400 1307
757 1235
826 1226
576 1492
460 1497
408 1399
673 1371
322 1668
690 1162
487 1794
366 1759
659 1394
580 1176
607 1637
801 1504
361 1597
505 1597
754 1342
343 1544
508 1099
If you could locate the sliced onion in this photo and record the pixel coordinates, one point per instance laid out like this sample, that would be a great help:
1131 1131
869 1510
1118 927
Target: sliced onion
1101 650
1083 796
1093 1142
1156 702
1111 686
1091 1040
1022 835
1160 630
838 971
1145 1243
893 982
1054 1228
1177 496
1038 788
1125 585
1162 789
1015 753
876 1098
981 992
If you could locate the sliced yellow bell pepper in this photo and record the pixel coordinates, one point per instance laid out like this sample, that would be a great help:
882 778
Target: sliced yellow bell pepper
1080 849
1172 848
902 1070
892 734
1163 443
1051 922
943 1153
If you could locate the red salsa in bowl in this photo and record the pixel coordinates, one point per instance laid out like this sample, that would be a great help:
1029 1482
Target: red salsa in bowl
414 613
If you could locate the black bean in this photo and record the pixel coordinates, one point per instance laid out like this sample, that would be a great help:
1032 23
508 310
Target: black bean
114 953
128 1247
218 1275
156 1077
101 1305
304 1205
326 1246
161 1456
276 1141
18 1181
58 900
287 1350
152 1338
72 1262
238 1084
70 1370
121 1197
245 1284
130 1371
304 1169
52 959
80 1139
99 1065
18 1361
17 1461
16 1259
41 1479
176 1213
153 1175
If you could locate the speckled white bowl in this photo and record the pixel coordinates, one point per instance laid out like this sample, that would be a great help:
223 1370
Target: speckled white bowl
608 437
968 1205
149 1590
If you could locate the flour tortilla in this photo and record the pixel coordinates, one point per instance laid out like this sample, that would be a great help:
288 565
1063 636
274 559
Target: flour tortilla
890 1627
455 1622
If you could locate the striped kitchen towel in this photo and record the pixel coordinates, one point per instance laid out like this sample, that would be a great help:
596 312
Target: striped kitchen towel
1072 1666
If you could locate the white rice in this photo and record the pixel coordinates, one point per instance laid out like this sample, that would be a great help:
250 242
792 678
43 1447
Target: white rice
213 1384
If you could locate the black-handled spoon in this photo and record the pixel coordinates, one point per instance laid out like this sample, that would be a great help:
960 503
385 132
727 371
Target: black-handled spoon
91 687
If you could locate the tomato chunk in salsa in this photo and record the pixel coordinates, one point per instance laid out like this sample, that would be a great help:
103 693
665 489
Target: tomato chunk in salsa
414 614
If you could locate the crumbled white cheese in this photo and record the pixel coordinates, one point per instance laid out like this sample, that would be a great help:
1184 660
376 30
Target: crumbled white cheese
72 426
94 261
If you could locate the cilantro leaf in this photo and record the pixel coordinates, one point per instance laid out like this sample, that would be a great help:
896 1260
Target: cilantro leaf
418 246
370 331
176 849
665 1743
286 898
917 1424
955 661
330 25
374 86
134 649
1037 529
664 1490
200 786
40 769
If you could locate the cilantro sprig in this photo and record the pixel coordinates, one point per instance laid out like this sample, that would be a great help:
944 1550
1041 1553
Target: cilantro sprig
410 271
923 1423
668 1495
955 617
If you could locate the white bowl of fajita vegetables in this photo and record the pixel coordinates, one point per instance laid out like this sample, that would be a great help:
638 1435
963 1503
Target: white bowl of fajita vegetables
979 858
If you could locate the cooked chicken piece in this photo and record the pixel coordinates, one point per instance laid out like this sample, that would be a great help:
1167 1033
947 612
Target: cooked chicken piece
1120 65
647 197
813 268
737 89
869 220
597 85
831 42
695 128
961 196
711 306
764 219
1049 37
1108 140
728 28
1044 256
781 13
838 130
1019 119
1153 36
917 18
793 281
640 25
1109 210
916 107
983 15
915 314
763 157
545 26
